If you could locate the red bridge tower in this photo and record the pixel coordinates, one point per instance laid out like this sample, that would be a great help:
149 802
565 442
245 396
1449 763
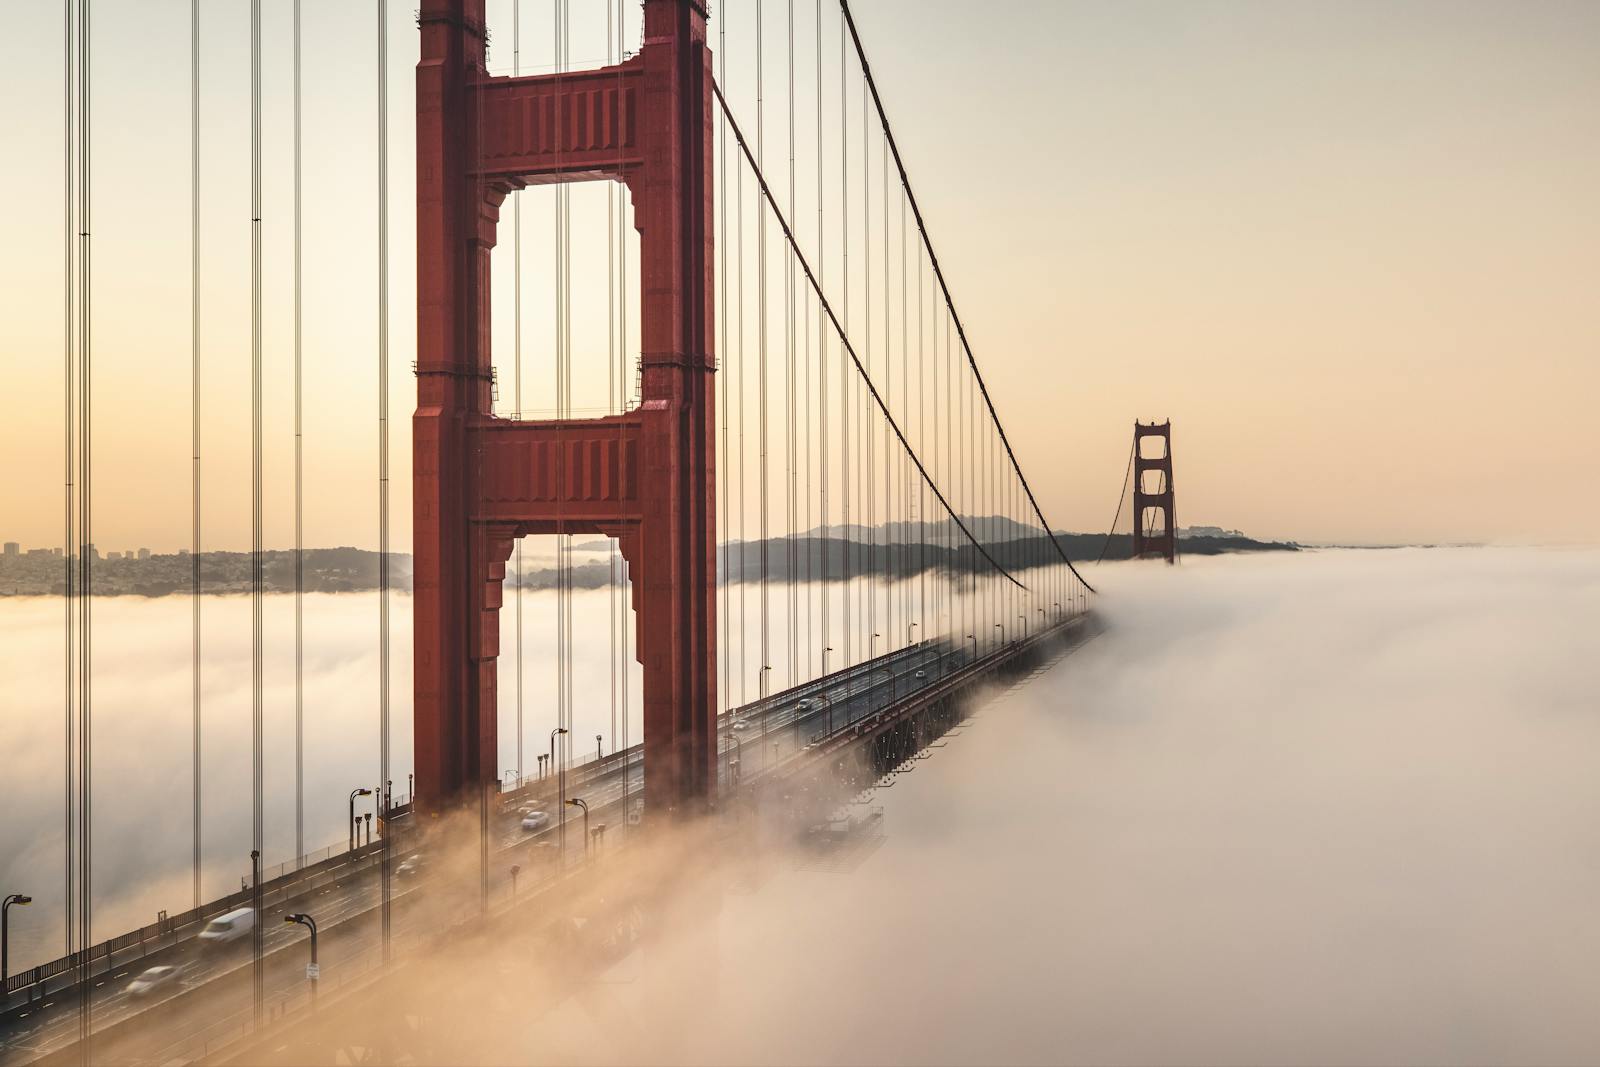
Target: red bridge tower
645 477
1153 502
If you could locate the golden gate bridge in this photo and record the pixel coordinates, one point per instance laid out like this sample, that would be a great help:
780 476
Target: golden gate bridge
821 537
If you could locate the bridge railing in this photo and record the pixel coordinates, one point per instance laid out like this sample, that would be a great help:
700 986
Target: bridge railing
274 881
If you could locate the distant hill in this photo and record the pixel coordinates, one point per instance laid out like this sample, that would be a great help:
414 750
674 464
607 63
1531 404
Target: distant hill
892 549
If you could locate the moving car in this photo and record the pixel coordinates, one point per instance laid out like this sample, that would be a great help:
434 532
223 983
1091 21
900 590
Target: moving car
153 979
535 820
410 866
229 927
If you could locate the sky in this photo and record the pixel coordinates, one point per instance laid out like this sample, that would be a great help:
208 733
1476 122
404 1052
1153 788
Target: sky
1349 249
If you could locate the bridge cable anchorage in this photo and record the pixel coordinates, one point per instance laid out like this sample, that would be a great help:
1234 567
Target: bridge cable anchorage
1121 496
844 339
933 259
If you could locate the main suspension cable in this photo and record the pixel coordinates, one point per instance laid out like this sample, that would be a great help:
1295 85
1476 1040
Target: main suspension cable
811 279
933 259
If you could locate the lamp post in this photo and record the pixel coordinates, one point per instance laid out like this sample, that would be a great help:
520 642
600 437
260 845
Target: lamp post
1024 620
357 792
368 818
313 971
974 639
909 627
516 869
826 649
761 692
514 777
599 753
579 802
411 790
5 930
1001 627
872 647
561 789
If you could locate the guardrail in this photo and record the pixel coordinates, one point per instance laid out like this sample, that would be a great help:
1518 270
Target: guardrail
163 931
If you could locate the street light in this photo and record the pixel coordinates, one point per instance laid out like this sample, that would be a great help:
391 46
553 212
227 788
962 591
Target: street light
826 649
313 972
357 792
5 930
909 627
974 639
514 776
516 869
579 802
872 646
1024 620
561 789
1001 627
599 754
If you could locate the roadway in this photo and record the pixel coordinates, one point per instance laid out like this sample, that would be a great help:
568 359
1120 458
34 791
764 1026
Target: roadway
214 997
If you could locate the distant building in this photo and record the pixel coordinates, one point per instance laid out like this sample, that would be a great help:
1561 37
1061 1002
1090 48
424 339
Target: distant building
1207 531
144 553
44 553
113 555
13 550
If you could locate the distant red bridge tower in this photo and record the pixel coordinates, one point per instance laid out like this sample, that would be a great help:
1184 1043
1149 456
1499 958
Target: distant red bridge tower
1154 532
645 477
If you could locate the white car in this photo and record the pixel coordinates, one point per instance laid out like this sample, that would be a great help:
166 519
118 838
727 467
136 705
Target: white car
536 820
229 927
741 724
153 979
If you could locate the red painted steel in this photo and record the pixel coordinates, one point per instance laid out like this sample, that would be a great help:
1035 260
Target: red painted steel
646 477
1165 543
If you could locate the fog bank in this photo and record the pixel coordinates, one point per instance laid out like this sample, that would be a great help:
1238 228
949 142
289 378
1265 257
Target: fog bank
1332 808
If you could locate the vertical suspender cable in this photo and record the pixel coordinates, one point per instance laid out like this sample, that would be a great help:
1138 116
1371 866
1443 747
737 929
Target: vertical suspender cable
516 363
789 336
724 490
194 431
761 383
299 494
611 387
869 483
892 533
69 533
822 368
845 383
257 662
382 797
